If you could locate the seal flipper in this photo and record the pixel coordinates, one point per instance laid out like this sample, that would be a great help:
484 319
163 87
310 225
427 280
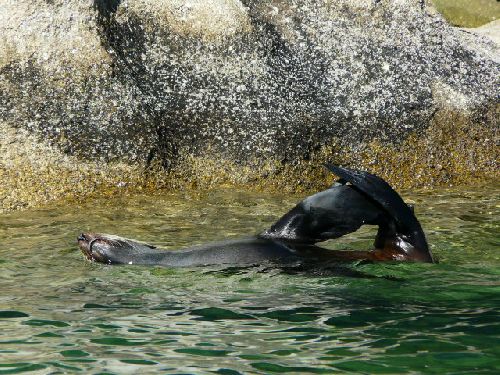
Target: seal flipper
400 235
329 214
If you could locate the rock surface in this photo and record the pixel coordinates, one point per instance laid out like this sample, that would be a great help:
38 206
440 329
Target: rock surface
252 88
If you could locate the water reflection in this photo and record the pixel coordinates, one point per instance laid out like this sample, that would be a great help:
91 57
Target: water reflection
59 312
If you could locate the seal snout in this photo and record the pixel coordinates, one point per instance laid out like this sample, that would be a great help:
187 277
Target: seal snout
87 237
85 241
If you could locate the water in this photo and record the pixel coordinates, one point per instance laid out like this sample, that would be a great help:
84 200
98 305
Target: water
60 313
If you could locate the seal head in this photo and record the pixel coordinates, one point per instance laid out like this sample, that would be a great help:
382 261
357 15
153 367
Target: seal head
110 249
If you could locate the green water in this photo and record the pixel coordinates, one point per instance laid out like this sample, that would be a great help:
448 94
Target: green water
62 314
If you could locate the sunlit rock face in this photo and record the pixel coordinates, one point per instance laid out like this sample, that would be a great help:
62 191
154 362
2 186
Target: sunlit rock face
247 81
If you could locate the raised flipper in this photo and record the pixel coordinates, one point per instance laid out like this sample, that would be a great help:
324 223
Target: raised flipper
331 213
400 235
359 198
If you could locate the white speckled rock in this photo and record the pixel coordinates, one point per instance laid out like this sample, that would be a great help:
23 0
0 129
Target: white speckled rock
246 80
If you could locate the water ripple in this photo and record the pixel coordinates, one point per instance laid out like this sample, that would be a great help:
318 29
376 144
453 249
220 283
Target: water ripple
60 313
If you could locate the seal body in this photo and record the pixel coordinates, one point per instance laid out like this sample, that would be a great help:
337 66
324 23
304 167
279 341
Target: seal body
359 198
110 249
254 250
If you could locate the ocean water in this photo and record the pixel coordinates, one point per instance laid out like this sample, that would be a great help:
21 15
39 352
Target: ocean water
60 313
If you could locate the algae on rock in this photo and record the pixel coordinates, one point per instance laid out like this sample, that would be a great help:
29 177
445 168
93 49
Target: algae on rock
262 91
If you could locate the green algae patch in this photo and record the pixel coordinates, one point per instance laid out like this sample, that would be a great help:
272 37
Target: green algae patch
467 13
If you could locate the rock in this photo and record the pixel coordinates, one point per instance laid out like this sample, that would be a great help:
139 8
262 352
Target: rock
245 83
491 30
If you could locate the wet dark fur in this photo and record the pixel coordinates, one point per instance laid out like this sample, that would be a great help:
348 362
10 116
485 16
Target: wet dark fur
359 198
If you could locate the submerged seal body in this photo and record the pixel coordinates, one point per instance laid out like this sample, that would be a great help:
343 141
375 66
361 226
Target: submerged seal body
358 198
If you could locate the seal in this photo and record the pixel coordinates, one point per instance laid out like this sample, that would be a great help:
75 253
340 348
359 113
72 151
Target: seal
358 198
